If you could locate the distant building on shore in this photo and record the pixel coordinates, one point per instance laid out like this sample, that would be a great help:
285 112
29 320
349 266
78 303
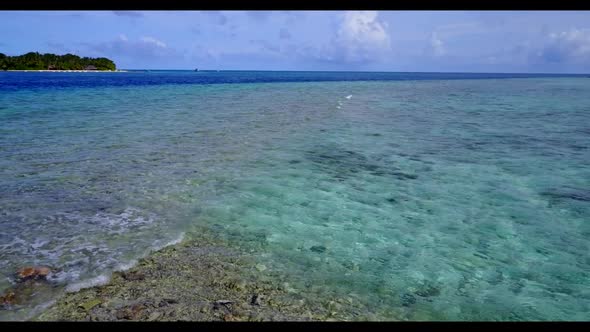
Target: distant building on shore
91 67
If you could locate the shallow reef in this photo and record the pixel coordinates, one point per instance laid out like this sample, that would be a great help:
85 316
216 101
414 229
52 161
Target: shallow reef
200 279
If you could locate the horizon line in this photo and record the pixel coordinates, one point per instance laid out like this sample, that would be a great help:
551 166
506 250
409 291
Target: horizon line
358 71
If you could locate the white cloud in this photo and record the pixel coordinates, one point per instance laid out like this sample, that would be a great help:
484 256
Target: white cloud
446 32
145 47
153 41
437 45
362 37
573 44
359 38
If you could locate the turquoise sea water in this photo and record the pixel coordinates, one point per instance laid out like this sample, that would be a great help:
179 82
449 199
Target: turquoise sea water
444 199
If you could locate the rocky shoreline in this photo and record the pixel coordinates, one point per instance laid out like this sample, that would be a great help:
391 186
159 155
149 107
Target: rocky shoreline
201 279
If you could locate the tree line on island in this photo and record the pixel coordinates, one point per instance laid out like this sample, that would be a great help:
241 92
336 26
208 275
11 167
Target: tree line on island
47 61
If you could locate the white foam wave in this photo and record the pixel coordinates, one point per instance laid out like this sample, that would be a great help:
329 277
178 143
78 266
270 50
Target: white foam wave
177 240
96 281
125 266
104 279
40 308
174 241
129 217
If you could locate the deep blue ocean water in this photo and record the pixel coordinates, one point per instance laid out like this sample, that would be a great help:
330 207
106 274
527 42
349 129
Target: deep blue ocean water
39 80
441 196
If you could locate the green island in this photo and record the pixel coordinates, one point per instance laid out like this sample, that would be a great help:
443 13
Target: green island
48 61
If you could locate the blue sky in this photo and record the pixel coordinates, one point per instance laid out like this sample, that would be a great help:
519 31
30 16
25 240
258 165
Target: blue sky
444 41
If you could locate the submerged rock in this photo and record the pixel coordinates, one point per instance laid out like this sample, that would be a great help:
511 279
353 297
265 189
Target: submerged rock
428 291
43 271
223 307
8 299
38 272
26 273
575 194
220 303
404 176
255 300
229 318
87 306
408 299
318 249
167 301
133 276
133 312
154 316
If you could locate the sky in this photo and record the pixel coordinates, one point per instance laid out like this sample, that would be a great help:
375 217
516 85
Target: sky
410 41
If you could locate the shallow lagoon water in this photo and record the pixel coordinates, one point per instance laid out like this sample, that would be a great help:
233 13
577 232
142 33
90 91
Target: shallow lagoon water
443 199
